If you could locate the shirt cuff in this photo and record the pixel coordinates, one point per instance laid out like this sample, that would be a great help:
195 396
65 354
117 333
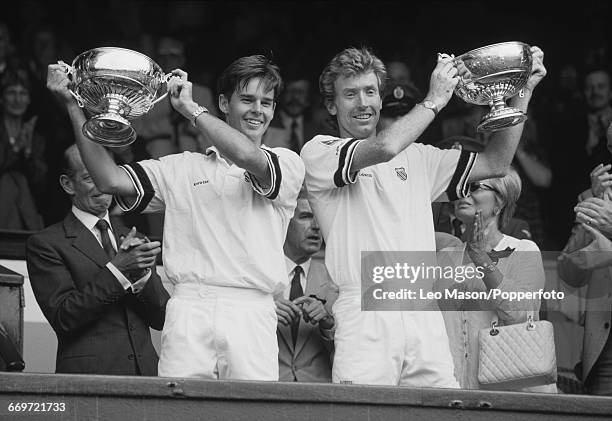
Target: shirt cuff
271 192
458 186
140 284
343 175
125 282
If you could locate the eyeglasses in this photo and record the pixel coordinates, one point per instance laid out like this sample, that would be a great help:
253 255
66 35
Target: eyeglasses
472 187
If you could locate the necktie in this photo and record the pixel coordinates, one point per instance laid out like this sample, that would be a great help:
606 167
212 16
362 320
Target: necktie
296 292
294 141
102 225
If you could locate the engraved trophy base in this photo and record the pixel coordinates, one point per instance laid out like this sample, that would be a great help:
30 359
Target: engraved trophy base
109 129
499 119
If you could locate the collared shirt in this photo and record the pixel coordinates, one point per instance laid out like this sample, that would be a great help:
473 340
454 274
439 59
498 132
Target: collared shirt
385 207
221 227
288 121
598 124
90 222
291 265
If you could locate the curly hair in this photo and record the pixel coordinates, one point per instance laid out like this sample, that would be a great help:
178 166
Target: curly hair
350 62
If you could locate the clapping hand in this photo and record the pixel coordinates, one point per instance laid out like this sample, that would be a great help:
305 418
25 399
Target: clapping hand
600 180
286 311
313 310
476 237
597 213
136 256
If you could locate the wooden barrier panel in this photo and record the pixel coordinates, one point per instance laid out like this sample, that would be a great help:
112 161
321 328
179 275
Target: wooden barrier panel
72 397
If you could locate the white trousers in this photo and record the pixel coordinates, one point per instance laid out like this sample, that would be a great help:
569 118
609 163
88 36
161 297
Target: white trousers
219 333
408 348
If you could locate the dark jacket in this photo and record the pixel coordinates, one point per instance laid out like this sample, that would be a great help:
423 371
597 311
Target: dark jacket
101 328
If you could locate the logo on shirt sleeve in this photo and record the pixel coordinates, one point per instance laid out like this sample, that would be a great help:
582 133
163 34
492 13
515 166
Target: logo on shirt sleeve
401 173
330 142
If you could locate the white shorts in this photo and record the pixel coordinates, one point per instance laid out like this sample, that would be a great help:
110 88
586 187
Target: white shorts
407 348
219 333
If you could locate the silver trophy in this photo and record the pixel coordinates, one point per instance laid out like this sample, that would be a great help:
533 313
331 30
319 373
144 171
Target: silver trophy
115 85
490 74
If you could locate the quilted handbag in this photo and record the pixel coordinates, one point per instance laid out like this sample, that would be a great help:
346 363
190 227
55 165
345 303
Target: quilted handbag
517 356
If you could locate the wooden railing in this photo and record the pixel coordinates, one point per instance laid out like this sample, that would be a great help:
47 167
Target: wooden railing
150 398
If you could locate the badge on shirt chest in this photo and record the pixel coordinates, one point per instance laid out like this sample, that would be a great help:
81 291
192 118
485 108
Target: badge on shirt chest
401 173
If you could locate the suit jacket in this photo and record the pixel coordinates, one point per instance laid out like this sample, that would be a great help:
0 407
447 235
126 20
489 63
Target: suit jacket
310 360
277 136
101 328
588 261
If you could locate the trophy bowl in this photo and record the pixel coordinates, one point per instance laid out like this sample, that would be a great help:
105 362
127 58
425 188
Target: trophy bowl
490 74
115 85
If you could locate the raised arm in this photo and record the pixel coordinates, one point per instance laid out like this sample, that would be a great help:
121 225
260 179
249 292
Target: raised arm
107 176
495 160
233 144
397 137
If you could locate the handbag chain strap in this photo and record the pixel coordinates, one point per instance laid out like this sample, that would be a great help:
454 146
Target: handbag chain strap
495 331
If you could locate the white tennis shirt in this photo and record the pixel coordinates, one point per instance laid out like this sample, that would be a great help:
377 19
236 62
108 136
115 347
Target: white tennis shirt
385 207
220 227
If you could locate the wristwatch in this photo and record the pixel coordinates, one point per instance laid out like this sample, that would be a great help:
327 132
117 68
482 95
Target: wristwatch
430 105
197 113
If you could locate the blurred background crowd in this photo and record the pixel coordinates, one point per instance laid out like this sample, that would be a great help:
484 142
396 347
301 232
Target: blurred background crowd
563 140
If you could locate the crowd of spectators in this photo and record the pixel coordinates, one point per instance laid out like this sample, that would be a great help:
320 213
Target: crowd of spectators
561 141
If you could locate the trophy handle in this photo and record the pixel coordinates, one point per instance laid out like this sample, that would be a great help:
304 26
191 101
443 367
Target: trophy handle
163 79
70 71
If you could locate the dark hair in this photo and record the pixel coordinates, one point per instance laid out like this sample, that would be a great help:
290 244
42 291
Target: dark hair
238 75
596 69
15 76
350 62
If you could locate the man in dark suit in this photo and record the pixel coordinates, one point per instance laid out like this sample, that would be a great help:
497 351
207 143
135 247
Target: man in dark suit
305 326
99 292
292 126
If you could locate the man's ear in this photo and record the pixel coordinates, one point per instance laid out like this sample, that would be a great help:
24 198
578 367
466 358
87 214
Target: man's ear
331 108
223 104
67 184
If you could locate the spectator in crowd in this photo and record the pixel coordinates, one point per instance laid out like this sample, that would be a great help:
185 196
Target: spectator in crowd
464 120
485 212
577 142
398 101
42 47
531 163
373 191
6 48
22 165
305 324
292 125
162 131
100 292
587 260
398 73
226 217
